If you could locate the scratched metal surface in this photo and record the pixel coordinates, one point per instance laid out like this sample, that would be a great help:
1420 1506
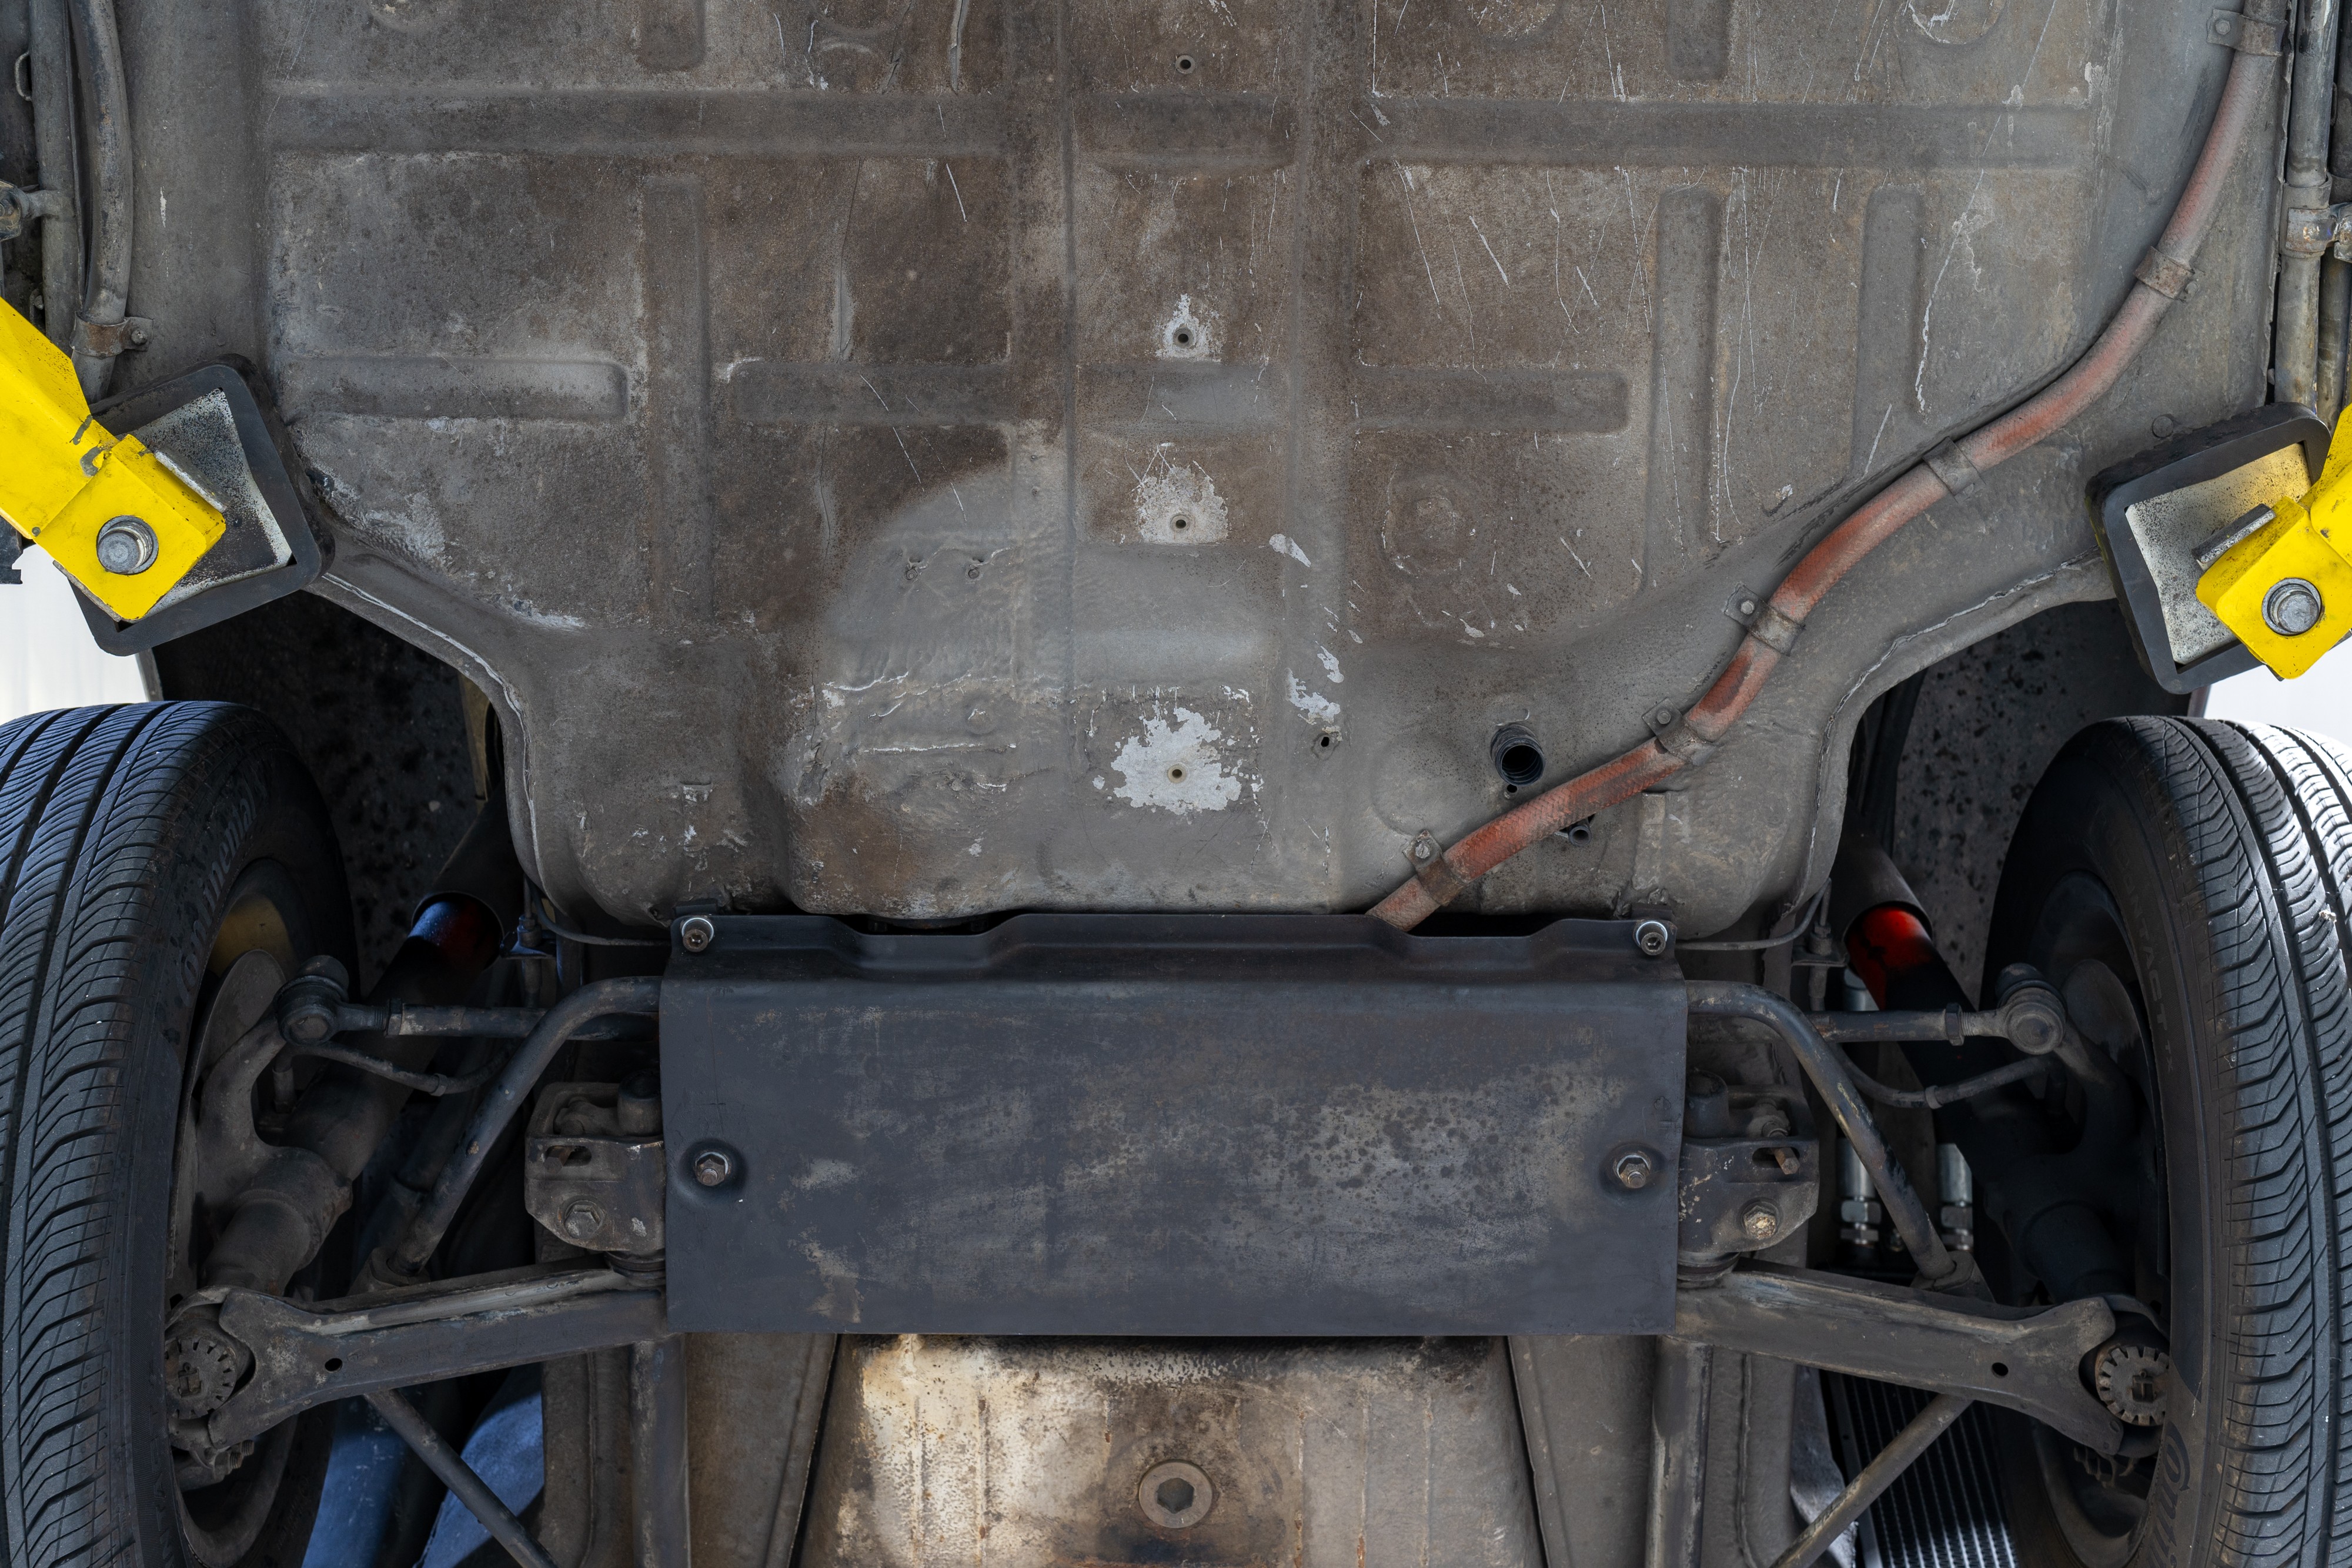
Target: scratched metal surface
1318 1454
929 456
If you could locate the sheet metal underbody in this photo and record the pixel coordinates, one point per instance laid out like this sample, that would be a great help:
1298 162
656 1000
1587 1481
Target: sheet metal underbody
922 457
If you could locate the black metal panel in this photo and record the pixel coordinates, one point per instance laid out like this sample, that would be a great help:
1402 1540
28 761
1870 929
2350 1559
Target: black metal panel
1192 1124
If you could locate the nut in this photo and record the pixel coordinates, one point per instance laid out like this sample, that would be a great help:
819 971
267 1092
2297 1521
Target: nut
1175 1495
583 1219
200 1370
2293 607
1759 1222
1633 1170
712 1167
2136 1382
696 933
126 546
1652 937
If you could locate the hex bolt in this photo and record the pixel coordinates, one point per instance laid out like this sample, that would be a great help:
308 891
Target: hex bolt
1633 1170
713 1168
1759 1221
1747 606
1652 937
696 933
583 1219
126 546
2293 607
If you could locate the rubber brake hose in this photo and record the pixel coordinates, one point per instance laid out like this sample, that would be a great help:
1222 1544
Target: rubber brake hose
2159 280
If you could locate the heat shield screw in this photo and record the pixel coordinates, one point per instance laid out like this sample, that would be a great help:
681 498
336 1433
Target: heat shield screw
2291 608
126 546
1759 1222
713 1168
1633 1170
1651 936
696 933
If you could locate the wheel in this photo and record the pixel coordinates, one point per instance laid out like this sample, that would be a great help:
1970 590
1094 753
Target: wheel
2184 883
163 868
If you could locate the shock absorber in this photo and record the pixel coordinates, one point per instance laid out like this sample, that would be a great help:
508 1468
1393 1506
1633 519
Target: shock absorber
2011 1144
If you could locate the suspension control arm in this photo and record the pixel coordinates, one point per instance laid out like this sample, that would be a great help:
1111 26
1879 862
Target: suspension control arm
2027 1359
310 1355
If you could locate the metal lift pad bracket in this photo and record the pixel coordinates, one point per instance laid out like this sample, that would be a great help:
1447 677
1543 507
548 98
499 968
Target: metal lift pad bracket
1156 1124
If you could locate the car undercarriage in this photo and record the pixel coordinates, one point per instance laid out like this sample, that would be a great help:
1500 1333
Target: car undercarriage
841 797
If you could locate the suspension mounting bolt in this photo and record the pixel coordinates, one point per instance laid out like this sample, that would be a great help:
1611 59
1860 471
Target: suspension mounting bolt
1759 1221
583 1219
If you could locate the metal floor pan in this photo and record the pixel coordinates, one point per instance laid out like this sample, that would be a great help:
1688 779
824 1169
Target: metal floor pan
922 457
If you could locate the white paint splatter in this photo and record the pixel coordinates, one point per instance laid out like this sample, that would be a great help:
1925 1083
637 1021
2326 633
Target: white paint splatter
1281 544
1330 663
1176 766
1313 706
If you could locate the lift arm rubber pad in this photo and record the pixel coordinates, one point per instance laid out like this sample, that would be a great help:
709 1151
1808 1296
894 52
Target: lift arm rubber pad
1153 1125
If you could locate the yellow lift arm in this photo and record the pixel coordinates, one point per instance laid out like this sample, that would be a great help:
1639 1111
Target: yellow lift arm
2281 577
110 510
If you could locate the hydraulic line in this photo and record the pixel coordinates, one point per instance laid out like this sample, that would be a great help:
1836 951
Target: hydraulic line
2310 102
106 302
2161 278
51 37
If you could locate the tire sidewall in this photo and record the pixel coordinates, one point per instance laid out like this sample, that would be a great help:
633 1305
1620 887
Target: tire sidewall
201 795
2105 811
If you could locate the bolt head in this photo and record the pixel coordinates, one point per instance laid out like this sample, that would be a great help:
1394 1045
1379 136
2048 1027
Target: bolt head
711 1168
1633 1170
2293 607
1421 849
1747 606
1652 937
126 546
583 1219
1759 1221
696 933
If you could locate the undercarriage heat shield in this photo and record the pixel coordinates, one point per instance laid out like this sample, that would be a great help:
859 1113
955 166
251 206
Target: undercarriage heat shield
1152 1125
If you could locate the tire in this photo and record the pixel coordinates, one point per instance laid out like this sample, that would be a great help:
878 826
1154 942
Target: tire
2185 885
145 851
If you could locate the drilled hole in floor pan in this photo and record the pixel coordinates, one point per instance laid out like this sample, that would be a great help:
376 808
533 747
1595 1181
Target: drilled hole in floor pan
1183 336
1177 774
1181 523
1184 63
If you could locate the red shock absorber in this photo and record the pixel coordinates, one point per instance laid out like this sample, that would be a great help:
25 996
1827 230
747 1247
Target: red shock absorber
1887 941
1891 948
